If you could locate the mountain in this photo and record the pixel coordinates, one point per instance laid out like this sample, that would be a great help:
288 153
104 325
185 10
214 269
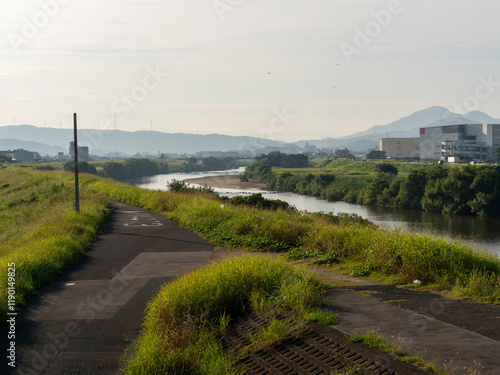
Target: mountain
481 117
51 140
434 116
43 149
405 127
103 141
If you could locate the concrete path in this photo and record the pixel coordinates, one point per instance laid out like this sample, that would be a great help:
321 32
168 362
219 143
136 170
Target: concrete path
435 341
83 322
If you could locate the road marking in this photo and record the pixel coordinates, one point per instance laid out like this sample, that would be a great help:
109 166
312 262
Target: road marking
141 219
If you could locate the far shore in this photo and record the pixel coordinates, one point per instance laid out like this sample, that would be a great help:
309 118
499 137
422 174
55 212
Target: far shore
227 182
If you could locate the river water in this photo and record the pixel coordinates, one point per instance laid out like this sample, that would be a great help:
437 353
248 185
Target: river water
483 233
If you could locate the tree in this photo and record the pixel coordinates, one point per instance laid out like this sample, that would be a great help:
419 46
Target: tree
5 159
373 192
376 154
279 159
412 190
83 167
458 186
486 186
388 168
435 196
115 170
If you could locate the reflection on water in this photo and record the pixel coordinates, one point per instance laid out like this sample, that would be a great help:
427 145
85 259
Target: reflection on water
483 232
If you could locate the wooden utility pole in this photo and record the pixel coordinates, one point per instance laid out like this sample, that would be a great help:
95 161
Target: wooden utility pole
75 153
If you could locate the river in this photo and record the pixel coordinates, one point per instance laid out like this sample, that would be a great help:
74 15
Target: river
483 233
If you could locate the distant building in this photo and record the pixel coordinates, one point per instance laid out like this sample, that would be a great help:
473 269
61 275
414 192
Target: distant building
83 152
478 142
310 149
342 153
21 155
209 154
400 148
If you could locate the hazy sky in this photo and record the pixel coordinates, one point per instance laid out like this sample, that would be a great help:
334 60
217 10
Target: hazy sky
281 69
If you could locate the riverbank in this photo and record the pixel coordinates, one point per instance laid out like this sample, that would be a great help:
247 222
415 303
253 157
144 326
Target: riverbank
227 182
397 256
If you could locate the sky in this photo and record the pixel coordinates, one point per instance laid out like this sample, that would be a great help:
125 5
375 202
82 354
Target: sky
278 69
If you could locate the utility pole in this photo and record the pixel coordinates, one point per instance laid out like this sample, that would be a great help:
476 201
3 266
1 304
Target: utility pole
75 153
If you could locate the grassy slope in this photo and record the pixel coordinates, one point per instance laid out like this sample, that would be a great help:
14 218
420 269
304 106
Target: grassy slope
39 230
185 322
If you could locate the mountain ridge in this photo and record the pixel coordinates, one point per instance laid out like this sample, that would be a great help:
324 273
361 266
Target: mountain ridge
105 141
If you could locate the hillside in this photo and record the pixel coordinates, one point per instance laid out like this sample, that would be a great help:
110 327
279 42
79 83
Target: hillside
101 142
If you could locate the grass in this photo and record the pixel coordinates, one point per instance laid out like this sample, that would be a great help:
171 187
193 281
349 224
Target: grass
375 340
39 231
184 323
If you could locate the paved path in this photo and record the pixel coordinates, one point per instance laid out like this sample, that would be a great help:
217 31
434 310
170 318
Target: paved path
83 322
418 334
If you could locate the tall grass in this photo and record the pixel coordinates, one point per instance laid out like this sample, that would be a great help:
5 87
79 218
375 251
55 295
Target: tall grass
184 323
39 230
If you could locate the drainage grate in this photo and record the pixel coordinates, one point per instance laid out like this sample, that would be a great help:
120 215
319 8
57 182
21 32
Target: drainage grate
314 350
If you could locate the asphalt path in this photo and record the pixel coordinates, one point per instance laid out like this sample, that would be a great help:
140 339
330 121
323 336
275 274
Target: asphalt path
83 322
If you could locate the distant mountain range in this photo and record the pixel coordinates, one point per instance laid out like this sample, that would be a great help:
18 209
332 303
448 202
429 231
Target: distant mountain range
111 141
405 127
51 140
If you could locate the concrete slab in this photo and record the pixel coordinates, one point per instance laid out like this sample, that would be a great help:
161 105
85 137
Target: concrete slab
90 363
165 264
95 299
431 339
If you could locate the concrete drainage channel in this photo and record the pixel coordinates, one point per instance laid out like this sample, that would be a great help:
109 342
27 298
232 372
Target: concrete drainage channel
313 349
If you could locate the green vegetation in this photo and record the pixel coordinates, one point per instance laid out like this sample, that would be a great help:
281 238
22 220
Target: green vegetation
278 159
375 340
39 230
323 238
186 321
41 234
457 190
258 201
376 154
133 168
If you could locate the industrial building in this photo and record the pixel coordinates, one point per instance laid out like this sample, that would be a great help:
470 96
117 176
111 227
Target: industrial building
21 155
400 148
83 152
479 142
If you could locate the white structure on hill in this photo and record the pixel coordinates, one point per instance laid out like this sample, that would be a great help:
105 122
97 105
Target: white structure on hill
479 142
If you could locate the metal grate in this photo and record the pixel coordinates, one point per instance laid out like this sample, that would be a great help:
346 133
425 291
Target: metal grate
312 349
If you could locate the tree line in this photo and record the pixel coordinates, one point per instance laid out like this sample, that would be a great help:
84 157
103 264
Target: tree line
135 168
457 190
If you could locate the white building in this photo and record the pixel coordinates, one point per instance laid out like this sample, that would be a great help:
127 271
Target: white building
476 141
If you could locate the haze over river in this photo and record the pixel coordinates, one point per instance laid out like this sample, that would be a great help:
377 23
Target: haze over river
484 233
